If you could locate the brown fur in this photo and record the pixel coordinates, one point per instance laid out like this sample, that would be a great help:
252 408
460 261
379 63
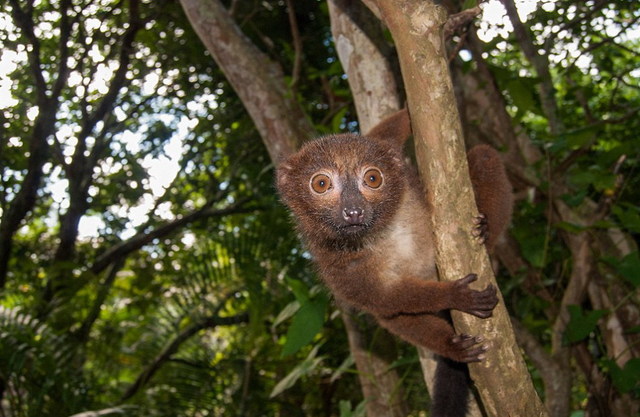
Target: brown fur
374 249
492 190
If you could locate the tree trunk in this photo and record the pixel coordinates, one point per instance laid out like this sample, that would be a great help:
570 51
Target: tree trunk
485 110
365 57
25 199
483 107
260 84
502 378
368 61
258 81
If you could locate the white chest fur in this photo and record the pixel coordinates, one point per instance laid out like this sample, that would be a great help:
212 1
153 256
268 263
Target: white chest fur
407 248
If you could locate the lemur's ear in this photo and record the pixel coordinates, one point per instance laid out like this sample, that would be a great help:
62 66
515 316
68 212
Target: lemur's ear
395 128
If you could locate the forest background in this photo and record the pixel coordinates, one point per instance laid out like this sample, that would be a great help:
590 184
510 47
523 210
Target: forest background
147 267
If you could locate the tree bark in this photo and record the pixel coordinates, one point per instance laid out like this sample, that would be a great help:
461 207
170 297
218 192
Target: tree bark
502 378
483 107
366 59
260 84
258 81
364 55
47 100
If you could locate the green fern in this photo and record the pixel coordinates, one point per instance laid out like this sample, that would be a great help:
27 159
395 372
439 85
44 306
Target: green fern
222 276
36 368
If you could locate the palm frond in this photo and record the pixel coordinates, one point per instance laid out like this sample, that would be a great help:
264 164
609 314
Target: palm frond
37 368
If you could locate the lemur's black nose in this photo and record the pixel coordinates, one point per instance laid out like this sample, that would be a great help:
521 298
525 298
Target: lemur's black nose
353 215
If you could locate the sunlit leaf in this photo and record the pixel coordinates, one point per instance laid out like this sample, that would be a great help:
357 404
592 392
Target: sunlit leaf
308 365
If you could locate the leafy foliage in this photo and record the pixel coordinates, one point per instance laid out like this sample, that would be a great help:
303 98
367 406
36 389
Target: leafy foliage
191 296
35 368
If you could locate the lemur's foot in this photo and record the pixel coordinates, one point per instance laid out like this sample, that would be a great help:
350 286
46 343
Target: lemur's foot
480 229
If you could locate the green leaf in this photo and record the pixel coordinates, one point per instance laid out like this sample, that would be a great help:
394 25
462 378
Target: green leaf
287 312
634 329
629 268
574 199
469 4
597 177
570 227
580 137
304 368
522 93
627 378
306 324
347 411
532 245
345 408
344 367
338 120
580 324
360 409
629 216
300 290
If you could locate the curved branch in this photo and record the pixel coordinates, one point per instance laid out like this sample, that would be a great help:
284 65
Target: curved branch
173 346
120 77
124 248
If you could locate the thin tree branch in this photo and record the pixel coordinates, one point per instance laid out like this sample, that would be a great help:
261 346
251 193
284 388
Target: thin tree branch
535 351
554 369
460 20
104 412
139 240
24 20
116 260
606 41
105 136
173 346
43 128
565 164
103 291
63 47
117 82
297 46
79 172
591 10
540 64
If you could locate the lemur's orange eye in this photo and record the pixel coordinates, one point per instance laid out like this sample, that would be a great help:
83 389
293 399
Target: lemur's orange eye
373 178
321 183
